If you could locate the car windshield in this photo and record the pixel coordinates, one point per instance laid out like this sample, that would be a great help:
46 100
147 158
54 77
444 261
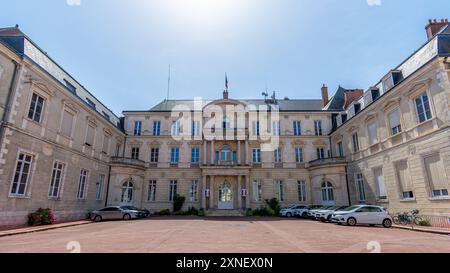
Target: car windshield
341 208
331 208
351 208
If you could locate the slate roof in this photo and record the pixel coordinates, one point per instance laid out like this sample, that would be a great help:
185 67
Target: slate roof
291 105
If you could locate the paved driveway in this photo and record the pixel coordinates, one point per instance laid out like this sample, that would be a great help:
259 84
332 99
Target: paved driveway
237 235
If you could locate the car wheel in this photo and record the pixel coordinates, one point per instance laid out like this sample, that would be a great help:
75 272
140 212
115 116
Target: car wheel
98 218
387 223
351 221
127 217
329 218
288 214
304 214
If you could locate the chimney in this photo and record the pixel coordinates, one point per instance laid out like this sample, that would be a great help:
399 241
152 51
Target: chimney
434 27
225 94
325 95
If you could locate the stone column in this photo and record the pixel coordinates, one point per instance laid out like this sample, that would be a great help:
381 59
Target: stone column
247 186
247 162
239 192
212 152
211 192
203 192
239 153
205 156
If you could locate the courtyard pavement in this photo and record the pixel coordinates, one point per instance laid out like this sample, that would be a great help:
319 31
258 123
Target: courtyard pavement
223 235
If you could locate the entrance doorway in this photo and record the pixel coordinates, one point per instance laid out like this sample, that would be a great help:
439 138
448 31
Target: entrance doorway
225 196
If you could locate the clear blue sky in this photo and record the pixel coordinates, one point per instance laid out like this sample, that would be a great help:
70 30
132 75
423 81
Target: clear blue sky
120 50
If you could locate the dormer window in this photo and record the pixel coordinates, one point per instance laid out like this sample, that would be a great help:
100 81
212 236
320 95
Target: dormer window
392 79
357 107
91 103
375 93
70 86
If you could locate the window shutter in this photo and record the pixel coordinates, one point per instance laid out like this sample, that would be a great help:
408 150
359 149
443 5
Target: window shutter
436 173
394 118
67 123
403 176
90 135
379 179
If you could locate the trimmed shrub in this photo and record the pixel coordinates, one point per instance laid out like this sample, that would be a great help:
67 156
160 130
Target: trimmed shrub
201 212
164 212
41 217
274 205
178 202
192 211
424 222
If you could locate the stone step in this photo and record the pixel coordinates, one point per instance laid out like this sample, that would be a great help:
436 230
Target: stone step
224 213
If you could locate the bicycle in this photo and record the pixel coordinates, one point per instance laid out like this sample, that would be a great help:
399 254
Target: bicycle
407 218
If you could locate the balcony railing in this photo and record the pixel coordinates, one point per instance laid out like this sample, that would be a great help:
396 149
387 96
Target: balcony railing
128 161
327 161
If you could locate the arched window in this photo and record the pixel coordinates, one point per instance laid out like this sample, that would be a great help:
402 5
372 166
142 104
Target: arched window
225 153
127 191
327 191
226 123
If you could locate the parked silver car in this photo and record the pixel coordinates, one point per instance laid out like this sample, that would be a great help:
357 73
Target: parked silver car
116 212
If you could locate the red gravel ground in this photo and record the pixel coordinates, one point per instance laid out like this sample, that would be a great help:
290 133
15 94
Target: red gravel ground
222 235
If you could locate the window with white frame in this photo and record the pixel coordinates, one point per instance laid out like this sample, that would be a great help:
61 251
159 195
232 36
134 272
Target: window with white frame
90 135
36 108
277 154
174 155
193 196
276 128
154 155
176 128
22 174
297 126
301 189
423 107
118 148
256 155
360 187
127 192
318 127
137 128
82 184
404 180
196 128
257 191
56 179
195 154
373 133
340 148
299 155
355 142
135 152
156 128
67 123
280 190
394 122
320 153
172 189
151 197
99 187
437 180
379 182
327 191
106 141
255 128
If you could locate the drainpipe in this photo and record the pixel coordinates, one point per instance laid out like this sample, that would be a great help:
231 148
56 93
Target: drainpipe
9 98
107 186
348 189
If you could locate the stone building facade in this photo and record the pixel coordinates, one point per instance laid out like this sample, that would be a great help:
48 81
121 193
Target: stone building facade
63 149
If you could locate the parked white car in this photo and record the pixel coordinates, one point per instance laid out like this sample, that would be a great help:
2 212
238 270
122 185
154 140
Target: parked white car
312 212
325 214
363 214
293 210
